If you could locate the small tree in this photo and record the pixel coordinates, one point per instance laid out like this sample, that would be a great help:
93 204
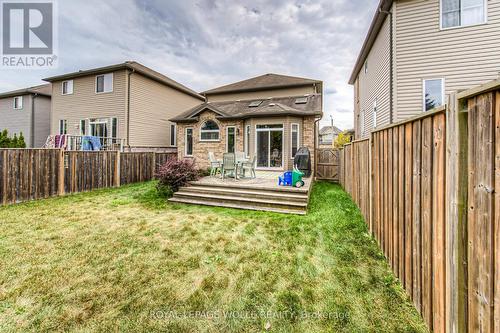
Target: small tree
342 139
20 142
4 139
14 141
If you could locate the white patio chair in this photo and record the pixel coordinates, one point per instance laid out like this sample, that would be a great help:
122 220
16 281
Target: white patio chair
215 165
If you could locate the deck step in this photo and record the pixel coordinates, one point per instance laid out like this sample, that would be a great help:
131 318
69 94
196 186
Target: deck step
243 200
251 187
247 193
238 206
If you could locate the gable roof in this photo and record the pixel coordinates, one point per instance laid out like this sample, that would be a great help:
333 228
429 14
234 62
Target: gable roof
263 82
44 90
371 36
279 106
133 66
328 130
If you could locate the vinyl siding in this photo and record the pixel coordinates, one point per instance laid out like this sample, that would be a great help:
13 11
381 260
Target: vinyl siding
375 84
262 94
16 121
85 103
151 105
42 120
465 57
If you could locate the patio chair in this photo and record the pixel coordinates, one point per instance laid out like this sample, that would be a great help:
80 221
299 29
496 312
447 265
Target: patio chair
240 156
228 165
215 165
250 166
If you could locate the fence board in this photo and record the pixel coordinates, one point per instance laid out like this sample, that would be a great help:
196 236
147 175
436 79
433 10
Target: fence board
327 164
136 167
416 209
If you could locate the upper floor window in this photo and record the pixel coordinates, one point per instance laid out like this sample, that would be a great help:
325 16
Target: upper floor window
104 83
63 126
209 131
366 66
459 13
18 102
67 87
433 93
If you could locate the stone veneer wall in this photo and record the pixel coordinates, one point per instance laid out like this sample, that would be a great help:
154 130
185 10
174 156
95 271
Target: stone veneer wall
201 149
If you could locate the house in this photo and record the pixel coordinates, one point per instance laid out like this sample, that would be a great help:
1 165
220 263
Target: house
416 52
126 102
27 111
268 117
327 135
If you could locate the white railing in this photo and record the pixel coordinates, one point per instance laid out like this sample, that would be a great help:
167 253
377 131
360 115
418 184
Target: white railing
74 142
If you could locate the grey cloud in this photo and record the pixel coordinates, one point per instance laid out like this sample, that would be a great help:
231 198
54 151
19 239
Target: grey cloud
205 43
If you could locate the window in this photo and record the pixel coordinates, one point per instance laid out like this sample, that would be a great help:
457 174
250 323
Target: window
83 127
460 13
247 141
301 100
254 104
189 142
375 113
231 139
366 66
63 126
209 131
67 87
294 139
173 133
114 127
433 94
104 83
18 102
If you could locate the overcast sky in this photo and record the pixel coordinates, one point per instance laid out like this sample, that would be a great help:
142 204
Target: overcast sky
207 43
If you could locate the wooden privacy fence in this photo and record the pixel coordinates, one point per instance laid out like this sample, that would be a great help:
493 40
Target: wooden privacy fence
30 174
434 207
327 164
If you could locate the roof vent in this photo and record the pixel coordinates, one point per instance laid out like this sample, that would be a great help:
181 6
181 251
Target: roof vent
272 104
254 104
301 100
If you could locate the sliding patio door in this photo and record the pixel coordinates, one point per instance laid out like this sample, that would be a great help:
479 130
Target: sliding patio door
269 146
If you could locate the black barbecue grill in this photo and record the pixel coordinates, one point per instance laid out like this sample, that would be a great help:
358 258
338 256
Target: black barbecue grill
302 161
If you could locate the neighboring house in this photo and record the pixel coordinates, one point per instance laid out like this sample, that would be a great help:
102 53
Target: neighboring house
125 101
327 135
435 47
269 117
27 111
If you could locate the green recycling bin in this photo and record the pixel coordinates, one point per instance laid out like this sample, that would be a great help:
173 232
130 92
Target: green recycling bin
297 178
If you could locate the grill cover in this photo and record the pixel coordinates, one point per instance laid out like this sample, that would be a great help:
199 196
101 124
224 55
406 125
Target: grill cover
302 161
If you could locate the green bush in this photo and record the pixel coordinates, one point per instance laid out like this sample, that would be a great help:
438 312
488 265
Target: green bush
14 142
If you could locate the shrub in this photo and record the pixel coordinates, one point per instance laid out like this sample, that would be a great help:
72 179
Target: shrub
14 142
174 174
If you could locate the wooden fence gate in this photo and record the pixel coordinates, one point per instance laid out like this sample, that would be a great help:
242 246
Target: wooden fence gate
327 164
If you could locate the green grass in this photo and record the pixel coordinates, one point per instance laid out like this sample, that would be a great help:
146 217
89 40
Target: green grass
125 260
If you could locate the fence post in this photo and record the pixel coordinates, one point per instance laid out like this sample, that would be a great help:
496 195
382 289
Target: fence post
370 183
456 216
153 166
117 169
60 180
4 177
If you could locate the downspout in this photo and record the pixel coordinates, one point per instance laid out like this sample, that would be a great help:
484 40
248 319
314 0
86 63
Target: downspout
391 64
315 145
32 131
129 73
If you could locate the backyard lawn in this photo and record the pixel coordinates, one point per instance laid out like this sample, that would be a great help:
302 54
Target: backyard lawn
125 260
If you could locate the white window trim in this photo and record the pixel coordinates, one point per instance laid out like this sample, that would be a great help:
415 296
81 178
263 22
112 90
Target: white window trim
185 140
227 137
247 141
21 105
72 87
174 144
209 131
112 83
257 130
460 25
443 89
291 139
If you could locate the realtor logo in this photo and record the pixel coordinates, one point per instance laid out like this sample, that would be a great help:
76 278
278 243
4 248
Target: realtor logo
28 31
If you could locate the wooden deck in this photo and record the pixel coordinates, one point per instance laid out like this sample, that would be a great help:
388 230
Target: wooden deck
260 193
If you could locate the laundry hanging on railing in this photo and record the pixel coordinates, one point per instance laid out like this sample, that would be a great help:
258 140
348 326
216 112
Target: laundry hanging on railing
91 143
